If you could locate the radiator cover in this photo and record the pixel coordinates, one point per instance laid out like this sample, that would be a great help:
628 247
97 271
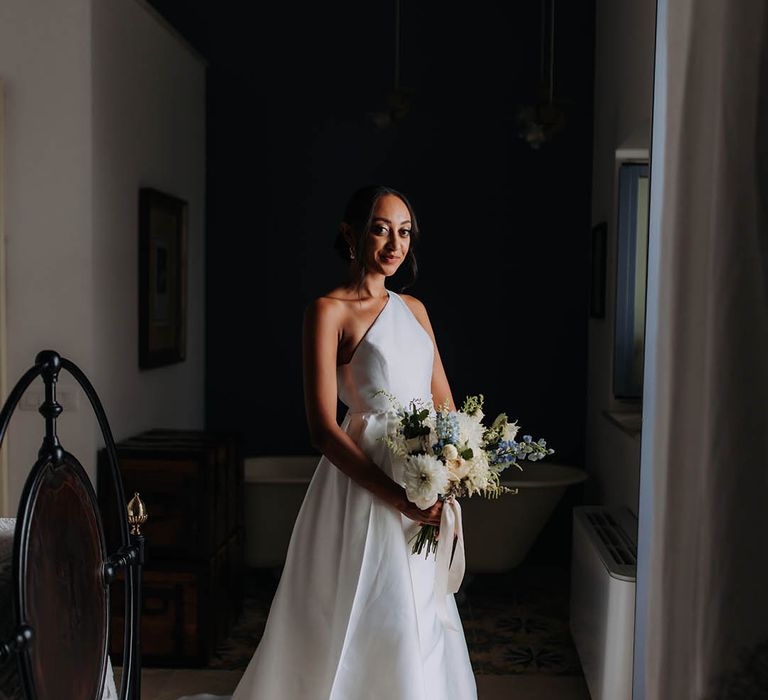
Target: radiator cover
603 575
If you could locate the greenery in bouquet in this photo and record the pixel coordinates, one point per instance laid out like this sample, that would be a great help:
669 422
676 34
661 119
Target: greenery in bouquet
452 454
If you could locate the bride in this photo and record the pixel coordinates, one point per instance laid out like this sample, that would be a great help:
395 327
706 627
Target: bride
354 616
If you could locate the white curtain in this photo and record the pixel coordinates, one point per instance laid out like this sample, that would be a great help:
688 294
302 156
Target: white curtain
702 625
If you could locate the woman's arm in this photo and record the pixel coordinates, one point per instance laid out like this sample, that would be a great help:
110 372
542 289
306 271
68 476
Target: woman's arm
322 331
441 390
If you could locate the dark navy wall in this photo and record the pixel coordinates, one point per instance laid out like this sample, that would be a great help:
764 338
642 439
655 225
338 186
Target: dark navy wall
505 249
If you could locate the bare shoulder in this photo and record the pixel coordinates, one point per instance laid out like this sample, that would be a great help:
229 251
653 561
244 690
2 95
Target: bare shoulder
325 310
416 306
419 311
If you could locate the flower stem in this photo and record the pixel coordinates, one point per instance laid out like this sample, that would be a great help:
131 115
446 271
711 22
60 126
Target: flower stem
426 536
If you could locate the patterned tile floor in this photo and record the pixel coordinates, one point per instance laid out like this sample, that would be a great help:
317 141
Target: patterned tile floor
515 623
172 684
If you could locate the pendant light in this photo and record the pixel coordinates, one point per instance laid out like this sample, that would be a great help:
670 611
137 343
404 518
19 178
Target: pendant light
542 121
399 99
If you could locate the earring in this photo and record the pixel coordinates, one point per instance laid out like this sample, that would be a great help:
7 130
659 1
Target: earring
351 253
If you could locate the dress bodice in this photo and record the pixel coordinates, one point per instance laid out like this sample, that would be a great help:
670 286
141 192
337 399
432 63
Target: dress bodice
395 354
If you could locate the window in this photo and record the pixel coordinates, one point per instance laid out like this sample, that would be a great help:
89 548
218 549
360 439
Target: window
632 263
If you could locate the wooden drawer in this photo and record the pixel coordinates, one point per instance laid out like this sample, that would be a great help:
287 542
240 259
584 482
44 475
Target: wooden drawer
230 468
184 612
192 483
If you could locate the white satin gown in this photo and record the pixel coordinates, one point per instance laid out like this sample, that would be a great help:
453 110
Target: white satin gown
354 615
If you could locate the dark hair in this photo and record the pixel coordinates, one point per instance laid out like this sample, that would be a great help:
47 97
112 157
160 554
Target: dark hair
358 215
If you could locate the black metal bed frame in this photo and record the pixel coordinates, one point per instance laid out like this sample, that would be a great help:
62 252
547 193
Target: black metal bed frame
58 475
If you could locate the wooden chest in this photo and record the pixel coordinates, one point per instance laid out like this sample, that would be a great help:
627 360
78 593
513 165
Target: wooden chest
192 484
187 608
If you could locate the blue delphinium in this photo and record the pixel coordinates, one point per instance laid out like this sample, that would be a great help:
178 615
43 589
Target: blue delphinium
447 429
502 452
509 451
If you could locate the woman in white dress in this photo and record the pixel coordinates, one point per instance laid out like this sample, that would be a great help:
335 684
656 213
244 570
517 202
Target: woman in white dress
354 616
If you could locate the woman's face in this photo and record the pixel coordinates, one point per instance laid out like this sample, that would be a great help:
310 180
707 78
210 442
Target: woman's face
389 235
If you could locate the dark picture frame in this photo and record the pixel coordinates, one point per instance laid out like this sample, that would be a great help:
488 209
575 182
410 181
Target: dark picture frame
162 278
598 262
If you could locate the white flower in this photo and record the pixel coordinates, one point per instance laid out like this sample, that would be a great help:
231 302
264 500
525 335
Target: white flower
510 431
458 469
470 431
479 473
415 444
450 452
425 478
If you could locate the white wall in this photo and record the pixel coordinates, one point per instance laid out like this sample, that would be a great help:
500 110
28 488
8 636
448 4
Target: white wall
148 130
623 97
45 64
100 99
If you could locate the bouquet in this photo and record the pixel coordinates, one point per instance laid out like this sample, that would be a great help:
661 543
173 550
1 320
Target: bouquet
451 454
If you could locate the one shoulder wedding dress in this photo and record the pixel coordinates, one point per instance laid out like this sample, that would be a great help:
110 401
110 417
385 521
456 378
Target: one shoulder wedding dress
354 614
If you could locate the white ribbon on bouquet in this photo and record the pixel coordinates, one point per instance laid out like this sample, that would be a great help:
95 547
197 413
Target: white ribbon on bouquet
449 573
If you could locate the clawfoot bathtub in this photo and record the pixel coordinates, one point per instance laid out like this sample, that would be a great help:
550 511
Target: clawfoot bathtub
498 533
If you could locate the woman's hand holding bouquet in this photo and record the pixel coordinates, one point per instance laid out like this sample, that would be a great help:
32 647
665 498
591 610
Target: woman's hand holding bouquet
451 454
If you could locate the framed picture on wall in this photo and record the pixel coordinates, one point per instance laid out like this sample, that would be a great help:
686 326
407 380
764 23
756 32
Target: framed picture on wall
162 279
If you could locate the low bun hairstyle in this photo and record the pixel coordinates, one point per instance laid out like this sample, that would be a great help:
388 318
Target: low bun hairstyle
358 215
